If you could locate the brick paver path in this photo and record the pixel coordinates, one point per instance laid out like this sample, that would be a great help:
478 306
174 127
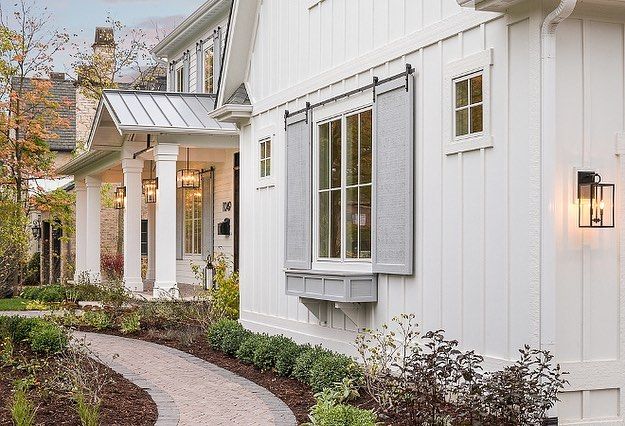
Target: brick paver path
188 390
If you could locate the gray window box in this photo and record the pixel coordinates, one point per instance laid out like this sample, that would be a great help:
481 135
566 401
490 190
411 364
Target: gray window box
332 286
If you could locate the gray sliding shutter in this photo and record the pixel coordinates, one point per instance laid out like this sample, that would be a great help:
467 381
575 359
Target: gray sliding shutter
186 71
207 215
199 66
298 214
179 223
393 177
216 57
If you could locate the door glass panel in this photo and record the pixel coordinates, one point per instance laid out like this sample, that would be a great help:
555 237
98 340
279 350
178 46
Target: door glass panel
365 147
324 223
324 156
335 223
351 223
351 146
335 154
365 222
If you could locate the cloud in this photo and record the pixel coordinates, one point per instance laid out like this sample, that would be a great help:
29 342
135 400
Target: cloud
157 27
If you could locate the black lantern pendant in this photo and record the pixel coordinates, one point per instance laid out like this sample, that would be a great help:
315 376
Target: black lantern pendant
595 201
36 229
188 178
149 188
120 197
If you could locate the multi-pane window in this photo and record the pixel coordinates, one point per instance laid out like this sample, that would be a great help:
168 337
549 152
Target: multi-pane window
180 79
209 86
144 237
344 187
468 105
265 158
192 221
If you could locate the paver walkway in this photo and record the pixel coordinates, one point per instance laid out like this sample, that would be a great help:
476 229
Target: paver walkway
188 390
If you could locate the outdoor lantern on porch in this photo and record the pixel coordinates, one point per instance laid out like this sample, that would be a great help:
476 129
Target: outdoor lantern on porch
149 188
36 229
120 197
595 201
188 178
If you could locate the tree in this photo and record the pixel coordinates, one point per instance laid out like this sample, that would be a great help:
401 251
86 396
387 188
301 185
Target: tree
125 56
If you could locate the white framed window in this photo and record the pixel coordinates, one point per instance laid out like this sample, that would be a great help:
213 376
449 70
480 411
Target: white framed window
265 158
209 84
343 186
180 83
192 221
466 99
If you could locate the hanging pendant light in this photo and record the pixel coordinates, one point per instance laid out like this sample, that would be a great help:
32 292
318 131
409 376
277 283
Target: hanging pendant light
188 178
149 188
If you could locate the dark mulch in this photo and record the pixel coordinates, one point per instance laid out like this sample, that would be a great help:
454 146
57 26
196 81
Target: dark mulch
123 403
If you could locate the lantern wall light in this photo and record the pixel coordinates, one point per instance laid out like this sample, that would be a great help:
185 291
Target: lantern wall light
595 201
36 229
187 177
149 187
120 198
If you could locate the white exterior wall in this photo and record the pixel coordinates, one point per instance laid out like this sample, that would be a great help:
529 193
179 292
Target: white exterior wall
590 272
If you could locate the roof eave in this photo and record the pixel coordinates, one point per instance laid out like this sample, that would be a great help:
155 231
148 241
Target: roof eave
489 5
232 113
176 130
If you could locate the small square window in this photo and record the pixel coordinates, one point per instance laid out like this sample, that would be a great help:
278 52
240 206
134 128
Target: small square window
265 158
468 105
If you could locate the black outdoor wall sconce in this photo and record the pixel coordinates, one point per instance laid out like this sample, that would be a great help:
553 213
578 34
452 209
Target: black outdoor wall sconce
595 201
36 229
120 198
223 228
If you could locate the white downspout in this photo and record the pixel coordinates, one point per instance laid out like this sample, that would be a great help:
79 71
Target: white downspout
548 173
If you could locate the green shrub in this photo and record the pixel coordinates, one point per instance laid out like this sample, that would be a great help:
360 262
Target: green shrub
47 293
324 414
88 411
49 338
31 277
303 363
99 320
22 409
266 353
332 368
227 335
17 328
130 323
248 347
286 357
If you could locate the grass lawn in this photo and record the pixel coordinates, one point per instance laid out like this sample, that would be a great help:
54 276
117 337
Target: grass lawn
13 304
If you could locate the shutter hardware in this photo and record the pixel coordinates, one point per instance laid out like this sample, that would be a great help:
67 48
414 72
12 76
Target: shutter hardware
376 81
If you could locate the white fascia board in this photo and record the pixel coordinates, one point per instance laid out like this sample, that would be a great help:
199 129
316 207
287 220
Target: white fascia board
489 5
230 113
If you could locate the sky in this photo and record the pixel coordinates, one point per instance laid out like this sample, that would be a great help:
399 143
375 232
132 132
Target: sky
82 16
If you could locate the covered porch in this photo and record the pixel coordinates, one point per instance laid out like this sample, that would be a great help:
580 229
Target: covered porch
173 169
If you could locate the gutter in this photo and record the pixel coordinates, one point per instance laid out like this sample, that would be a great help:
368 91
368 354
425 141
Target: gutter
549 177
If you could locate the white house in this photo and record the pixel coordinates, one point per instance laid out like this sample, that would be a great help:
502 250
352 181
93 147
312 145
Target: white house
396 156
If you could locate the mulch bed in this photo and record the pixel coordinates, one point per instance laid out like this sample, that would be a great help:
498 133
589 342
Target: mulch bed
123 403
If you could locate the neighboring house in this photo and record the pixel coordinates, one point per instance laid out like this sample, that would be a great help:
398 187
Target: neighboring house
396 156
448 190
169 154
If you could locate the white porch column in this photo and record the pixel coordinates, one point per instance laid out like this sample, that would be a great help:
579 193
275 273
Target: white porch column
92 227
81 229
149 278
165 283
132 224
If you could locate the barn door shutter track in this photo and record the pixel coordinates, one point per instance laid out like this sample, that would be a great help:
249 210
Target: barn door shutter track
298 214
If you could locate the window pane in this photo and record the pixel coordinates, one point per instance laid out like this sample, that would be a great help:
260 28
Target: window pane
351 223
324 227
262 150
462 96
476 119
268 167
365 222
476 89
262 168
268 149
462 122
365 147
335 223
208 71
335 152
324 159
351 146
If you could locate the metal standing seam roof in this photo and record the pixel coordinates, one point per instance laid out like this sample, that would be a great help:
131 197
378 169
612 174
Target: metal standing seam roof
134 110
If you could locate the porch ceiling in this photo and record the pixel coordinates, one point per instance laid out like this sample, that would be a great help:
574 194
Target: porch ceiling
125 112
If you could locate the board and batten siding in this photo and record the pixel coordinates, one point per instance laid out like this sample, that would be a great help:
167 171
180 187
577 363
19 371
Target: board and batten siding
476 266
477 216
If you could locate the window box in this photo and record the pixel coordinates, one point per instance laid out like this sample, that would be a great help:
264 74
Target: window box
332 286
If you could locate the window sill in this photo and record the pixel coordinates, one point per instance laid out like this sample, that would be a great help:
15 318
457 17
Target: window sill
265 183
469 144
332 286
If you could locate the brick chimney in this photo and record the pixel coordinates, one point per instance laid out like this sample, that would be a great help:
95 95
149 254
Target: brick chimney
57 76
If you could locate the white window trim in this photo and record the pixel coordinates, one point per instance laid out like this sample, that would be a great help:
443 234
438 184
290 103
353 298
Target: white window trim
208 45
264 134
179 66
322 115
478 62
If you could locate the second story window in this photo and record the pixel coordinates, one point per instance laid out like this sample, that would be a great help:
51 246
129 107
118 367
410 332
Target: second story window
209 84
180 79
468 100
265 158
